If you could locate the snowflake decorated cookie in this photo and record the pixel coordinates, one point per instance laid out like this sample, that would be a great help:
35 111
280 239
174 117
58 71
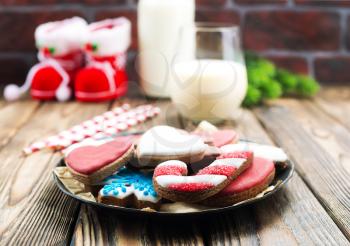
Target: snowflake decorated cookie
129 188
171 181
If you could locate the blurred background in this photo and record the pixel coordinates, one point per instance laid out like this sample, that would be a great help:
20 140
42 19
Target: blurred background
305 36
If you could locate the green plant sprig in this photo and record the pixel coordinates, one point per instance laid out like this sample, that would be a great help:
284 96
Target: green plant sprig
266 81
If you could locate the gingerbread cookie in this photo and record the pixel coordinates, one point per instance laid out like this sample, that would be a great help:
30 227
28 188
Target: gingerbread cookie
129 188
90 164
162 143
171 181
264 151
214 136
249 184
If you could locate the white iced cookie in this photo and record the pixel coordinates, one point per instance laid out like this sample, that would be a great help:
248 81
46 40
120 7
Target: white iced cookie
162 143
264 151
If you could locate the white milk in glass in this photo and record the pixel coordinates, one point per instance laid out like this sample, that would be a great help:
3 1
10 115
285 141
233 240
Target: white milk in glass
159 29
209 89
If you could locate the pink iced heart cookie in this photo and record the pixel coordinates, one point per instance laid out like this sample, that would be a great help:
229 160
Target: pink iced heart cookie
250 183
90 164
171 181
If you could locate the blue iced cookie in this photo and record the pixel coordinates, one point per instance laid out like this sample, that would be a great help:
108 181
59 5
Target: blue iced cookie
129 188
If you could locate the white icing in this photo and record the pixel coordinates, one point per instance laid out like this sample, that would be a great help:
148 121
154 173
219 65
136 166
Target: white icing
173 163
121 195
62 35
129 191
140 196
110 41
169 141
236 162
263 151
86 142
167 180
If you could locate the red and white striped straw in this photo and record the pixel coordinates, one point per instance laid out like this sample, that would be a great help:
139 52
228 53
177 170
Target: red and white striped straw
110 123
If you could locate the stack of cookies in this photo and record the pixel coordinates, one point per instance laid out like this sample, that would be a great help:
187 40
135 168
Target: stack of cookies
168 165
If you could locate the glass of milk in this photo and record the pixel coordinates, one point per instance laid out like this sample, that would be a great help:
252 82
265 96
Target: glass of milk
212 82
159 26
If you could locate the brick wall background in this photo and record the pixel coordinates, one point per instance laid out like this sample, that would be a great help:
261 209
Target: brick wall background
305 36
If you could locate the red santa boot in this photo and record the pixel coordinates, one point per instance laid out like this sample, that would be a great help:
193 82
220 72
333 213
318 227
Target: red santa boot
104 77
60 57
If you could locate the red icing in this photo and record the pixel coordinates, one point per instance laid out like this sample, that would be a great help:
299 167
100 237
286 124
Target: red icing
190 187
254 175
88 159
218 170
170 170
236 154
223 137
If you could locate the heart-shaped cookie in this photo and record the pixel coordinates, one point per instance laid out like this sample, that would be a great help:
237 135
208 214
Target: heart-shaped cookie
162 143
90 164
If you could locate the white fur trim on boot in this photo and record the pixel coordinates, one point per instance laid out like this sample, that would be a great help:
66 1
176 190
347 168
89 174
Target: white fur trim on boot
63 36
110 37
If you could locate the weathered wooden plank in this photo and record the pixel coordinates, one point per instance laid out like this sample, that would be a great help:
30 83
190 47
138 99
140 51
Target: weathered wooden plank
335 101
319 146
32 210
332 135
95 226
13 117
293 216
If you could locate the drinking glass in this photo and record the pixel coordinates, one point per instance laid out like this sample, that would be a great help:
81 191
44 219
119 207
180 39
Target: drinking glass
211 83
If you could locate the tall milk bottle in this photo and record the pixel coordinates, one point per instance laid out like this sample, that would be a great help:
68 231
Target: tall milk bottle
159 31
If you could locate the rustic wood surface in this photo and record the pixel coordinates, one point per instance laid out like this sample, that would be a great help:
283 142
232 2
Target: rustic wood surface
313 209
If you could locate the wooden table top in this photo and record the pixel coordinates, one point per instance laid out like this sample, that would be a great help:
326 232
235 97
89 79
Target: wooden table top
314 207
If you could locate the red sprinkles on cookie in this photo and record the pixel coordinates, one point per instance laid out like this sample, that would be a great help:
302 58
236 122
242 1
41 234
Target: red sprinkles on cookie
237 154
175 169
191 187
171 182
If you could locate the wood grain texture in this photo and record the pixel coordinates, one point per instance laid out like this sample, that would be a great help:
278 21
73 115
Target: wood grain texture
32 209
336 103
13 117
318 145
291 217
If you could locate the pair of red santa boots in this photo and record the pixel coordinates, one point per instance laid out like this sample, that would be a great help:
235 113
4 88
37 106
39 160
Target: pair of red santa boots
76 58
